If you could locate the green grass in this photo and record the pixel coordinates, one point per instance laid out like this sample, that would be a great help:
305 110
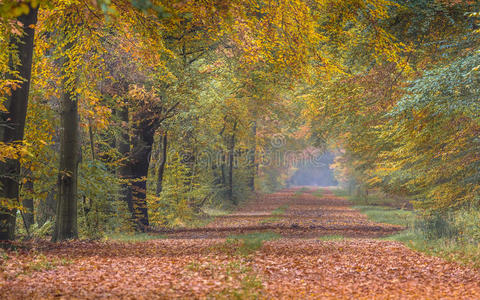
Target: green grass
388 215
247 283
430 238
280 210
374 198
245 244
318 193
250 284
452 250
199 222
251 287
136 237
42 263
449 248
276 213
378 213
341 193
301 191
216 212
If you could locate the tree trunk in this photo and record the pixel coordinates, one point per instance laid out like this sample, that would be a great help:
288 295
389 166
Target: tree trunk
66 213
27 202
223 181
251 159
125 172
14 122
136 147
46 209
161 167
230 165
139 163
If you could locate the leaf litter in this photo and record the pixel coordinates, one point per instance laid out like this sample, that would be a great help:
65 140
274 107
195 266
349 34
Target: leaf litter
284 258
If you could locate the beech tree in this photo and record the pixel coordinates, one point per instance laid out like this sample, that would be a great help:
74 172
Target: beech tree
13 117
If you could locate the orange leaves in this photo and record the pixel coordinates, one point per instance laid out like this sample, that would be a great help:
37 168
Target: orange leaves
198 267
13 150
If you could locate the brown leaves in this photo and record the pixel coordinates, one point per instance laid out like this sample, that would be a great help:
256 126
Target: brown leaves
195 264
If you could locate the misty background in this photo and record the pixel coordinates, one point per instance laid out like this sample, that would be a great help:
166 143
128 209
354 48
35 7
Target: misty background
317 172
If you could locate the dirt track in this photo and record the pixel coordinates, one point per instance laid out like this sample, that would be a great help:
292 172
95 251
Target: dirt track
303 215
199 263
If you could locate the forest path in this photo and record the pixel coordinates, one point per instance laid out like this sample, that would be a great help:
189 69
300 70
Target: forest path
293 213
201 264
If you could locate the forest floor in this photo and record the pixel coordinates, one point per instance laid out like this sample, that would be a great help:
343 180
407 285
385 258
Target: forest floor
295 244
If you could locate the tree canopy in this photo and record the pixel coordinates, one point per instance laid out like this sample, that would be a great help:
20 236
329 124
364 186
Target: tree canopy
138 114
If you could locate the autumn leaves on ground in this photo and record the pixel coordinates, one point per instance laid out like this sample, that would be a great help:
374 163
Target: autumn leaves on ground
296 243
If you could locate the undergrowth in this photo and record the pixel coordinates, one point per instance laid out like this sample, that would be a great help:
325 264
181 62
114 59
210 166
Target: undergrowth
388 215
453 236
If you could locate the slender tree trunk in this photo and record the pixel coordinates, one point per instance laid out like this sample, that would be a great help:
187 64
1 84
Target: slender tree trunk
125 172
92 141
163 161
66 213
14 122
223 181
231 157
251 160
46 209
27 202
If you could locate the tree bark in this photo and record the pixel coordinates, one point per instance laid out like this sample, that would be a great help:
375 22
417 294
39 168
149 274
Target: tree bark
163 161
223 181
66 212
14 122
46 209
230 165
125 172
137 147
27 202
251 160
142 143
